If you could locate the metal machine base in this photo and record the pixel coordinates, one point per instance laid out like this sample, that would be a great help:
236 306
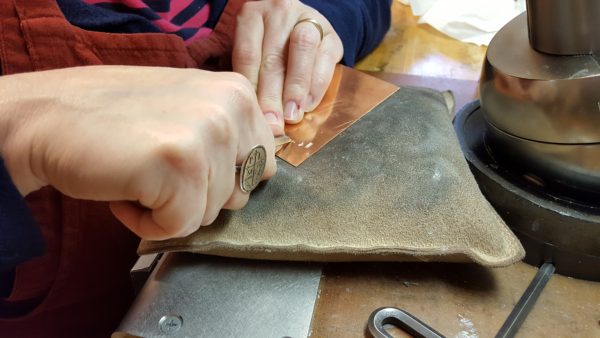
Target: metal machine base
554 226
189 295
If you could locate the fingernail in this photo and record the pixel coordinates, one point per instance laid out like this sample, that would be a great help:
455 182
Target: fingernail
290 112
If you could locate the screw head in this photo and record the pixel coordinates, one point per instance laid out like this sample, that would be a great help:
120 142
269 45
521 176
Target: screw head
170 324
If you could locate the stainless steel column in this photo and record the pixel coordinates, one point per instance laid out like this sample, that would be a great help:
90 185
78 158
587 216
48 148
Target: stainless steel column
564 27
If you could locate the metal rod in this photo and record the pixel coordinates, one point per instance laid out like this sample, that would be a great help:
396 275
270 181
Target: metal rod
527 301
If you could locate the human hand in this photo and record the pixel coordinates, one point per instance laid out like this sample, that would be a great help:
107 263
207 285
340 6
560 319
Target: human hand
160 144
288 63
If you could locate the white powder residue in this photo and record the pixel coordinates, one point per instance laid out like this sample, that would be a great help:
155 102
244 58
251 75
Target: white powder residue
468 329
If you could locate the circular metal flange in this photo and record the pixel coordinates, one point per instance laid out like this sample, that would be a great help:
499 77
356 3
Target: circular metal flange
537 96
554 224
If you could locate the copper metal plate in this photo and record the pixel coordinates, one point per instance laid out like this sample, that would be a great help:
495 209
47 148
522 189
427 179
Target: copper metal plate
350 96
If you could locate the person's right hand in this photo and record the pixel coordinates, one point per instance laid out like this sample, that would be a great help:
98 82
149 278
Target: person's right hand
160 144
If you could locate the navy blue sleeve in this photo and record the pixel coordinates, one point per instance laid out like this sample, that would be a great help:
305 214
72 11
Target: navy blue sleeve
20 237
361 24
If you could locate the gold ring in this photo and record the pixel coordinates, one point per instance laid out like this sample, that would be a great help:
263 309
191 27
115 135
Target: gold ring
252 168
314 22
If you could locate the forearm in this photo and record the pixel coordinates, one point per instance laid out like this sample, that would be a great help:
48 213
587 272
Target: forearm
361 24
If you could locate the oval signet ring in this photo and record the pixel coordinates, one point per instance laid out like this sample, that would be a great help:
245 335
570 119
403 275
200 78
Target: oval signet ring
252 168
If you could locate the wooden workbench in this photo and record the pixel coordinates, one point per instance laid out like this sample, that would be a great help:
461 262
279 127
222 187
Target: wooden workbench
458 300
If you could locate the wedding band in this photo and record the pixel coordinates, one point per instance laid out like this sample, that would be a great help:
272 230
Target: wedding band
314 22
252 168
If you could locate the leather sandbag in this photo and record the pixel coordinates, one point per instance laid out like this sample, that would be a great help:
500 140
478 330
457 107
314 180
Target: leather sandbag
394 186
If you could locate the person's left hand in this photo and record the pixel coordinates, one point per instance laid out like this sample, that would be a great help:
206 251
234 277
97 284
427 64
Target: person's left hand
286 60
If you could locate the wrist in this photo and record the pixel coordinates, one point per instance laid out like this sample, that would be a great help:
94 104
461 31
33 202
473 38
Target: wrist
22 105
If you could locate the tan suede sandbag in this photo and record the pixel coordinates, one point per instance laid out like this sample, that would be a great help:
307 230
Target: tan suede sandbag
392 187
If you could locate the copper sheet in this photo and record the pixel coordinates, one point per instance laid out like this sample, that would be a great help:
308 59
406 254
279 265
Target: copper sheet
350 96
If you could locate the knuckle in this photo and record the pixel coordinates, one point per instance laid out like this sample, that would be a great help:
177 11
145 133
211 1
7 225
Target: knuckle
339 53
174 224
320 80
186 230
274 63
248 10
283 4
305 38
220 125
246 54
270 101
332 54
210 217
336 52
270 96
240 89
180 151
179 155
296 89
237 201
297 81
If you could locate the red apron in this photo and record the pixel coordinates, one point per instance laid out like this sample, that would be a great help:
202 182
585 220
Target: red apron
81 286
